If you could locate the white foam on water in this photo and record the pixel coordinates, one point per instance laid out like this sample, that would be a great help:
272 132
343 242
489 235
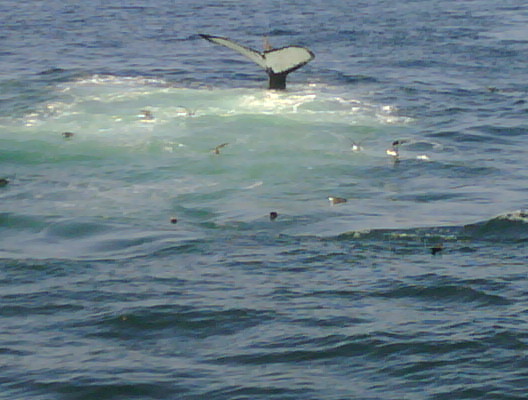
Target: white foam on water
142 150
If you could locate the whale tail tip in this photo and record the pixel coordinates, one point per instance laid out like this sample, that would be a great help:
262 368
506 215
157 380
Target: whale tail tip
277 63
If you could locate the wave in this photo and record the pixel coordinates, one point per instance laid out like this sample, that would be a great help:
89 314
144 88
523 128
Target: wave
512 226
196 322
96 239
446 293
507 227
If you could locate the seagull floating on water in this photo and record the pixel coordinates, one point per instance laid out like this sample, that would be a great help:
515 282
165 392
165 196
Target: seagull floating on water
336 200
356 147
393 151
146 115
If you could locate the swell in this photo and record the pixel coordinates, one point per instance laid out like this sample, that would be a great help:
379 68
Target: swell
177 320
508 227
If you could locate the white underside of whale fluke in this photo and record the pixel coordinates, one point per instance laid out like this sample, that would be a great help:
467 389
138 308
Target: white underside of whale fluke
276 61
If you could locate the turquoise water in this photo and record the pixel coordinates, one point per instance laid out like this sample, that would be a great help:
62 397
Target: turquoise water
137 262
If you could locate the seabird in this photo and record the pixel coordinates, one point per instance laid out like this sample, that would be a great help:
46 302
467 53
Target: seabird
186 111
336 200
216 150
146 115
393 151
356 147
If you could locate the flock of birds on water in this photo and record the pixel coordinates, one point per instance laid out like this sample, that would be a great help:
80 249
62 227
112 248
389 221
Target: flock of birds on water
392 151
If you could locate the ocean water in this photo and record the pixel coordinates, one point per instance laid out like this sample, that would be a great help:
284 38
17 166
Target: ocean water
136 263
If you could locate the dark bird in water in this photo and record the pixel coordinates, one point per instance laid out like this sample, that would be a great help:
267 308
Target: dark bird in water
174 220
437 249
4 182
273 215
146 115
216 150
393 151
336 200
277 63
68 135
399 142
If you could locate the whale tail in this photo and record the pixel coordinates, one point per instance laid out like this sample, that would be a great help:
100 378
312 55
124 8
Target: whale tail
277 63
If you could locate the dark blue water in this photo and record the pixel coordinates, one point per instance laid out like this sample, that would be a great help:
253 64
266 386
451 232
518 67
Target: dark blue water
102 297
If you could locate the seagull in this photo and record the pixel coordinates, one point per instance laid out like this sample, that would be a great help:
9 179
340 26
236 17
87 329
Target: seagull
146 115
336 200
356 147
216 150
393 151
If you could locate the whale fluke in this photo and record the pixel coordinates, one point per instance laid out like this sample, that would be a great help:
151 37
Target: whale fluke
277 63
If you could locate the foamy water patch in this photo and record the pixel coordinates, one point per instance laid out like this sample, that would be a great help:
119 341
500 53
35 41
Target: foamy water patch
144 114
318 102
142 150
